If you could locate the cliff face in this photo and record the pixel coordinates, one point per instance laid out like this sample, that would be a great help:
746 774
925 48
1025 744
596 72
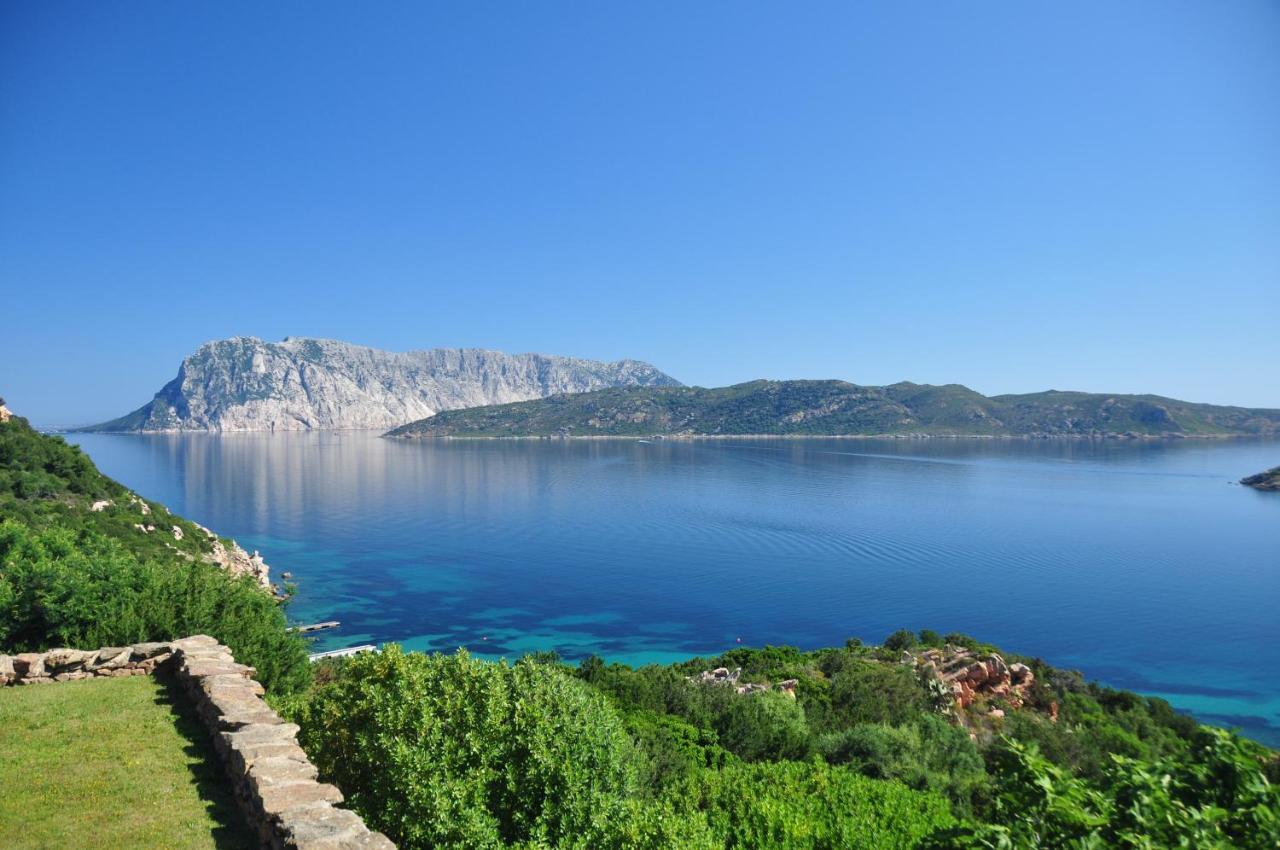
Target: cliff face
246 384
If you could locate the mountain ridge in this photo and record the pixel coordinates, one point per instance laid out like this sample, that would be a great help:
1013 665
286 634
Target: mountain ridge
839 408
310 383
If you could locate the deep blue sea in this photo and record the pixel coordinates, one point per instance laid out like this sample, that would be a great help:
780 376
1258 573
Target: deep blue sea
1139 563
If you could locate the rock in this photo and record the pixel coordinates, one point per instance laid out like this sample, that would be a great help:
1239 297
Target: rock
143 651
112 657
317 823
246 384
7 673
177 533
996 713
238 562
277 799
100 505
1269 480
58 660
72 676
29 665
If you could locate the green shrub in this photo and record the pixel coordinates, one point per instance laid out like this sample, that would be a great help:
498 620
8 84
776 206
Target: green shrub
449 751
900 640
929 754
813 806
58 588
1214 796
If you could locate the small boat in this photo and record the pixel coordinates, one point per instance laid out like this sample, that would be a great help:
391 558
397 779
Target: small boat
646 442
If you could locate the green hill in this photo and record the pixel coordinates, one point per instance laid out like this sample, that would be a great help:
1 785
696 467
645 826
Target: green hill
86 563
838 408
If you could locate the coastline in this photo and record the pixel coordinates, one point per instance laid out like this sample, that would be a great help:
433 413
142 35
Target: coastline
894 436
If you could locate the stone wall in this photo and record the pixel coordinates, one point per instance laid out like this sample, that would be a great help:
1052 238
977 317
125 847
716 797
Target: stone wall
65 665
273 780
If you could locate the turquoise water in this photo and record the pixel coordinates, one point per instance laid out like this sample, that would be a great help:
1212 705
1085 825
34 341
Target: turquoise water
1139 563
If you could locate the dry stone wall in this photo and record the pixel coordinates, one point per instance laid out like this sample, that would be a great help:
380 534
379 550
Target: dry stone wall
273 781
65 665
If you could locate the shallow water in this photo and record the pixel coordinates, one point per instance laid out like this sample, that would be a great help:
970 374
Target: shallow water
1139 563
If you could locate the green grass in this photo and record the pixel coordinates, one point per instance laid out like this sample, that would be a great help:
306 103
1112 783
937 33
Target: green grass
110 763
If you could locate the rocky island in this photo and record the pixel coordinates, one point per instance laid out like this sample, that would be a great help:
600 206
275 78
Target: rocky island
838 408
1269 480
300 384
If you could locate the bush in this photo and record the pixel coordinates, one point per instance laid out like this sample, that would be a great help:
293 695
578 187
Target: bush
929 754
866 692
58 588
813 806
1215 795
900 640
448 751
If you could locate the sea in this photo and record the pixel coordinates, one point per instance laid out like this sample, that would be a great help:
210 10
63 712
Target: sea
1140 563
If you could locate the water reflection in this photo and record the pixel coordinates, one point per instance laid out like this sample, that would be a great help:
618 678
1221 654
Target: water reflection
1133 560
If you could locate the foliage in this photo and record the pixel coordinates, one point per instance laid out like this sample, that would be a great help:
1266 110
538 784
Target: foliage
929 754
449 751
1215 795
837 407
73 576
860 758
812 806
87 590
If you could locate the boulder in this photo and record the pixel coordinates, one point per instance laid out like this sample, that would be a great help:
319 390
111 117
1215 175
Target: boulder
100 505
29 665
112 657
58 660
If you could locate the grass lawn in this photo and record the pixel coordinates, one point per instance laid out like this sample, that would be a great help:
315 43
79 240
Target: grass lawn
107 763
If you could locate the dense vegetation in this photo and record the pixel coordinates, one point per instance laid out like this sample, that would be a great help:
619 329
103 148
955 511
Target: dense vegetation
74 576
448 751
851 747
836 407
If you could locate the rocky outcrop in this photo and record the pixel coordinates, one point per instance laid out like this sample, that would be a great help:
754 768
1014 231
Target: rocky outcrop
235 559
1269 480
729 678
972 677
246 384
5 415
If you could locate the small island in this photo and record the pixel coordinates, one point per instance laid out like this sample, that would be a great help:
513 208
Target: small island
1269 480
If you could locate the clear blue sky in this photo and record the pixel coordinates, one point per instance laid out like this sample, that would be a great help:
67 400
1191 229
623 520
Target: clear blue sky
1015 196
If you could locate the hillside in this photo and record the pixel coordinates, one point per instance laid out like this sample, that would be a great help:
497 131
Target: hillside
928 742
840 408
246 384
85 562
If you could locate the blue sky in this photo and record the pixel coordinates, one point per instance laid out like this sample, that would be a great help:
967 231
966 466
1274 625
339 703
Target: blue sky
1014 196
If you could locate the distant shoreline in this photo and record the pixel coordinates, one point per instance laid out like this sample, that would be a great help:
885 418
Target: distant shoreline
665 438
662 438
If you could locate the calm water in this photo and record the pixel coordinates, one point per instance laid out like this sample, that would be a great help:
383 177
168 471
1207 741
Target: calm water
1138 563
